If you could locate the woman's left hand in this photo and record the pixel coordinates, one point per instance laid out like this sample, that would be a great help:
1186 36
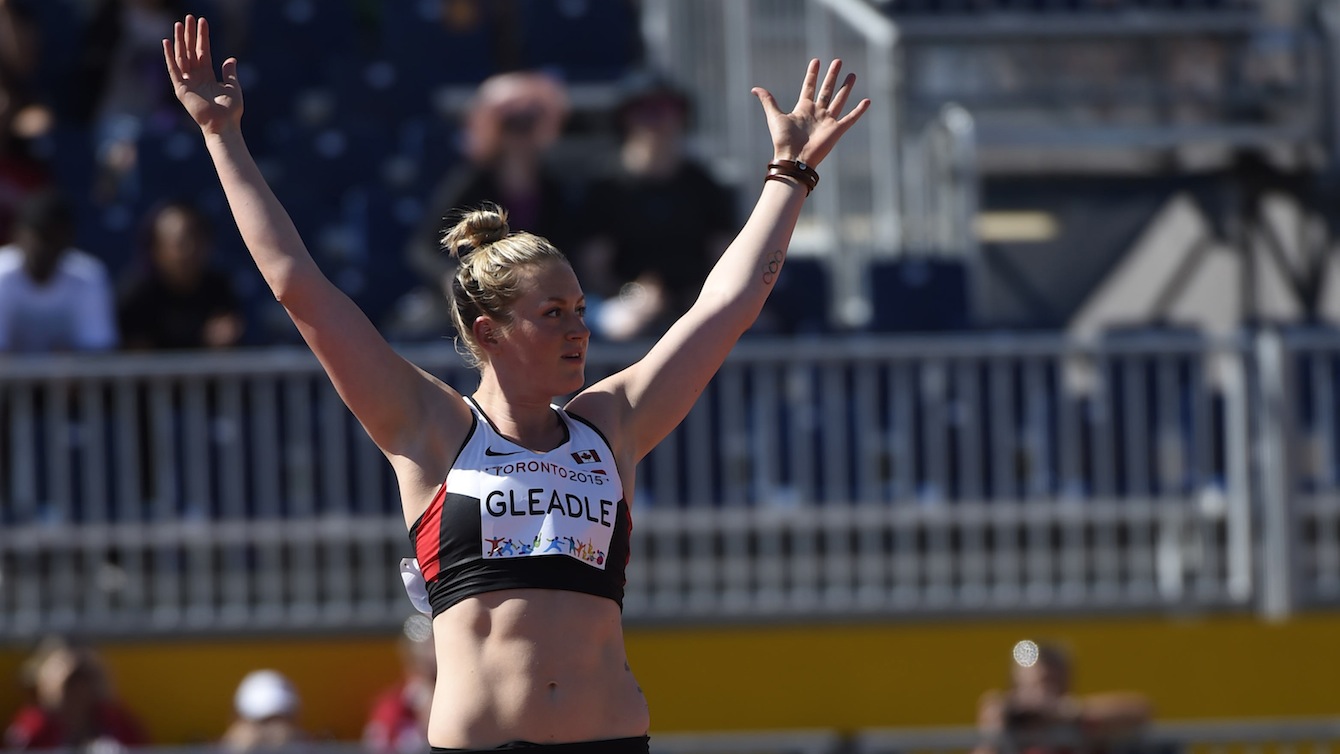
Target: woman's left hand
810 131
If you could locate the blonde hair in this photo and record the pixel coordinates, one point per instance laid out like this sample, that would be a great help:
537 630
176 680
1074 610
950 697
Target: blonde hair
488 277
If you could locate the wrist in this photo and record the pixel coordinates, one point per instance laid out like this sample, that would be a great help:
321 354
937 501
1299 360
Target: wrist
225 136
786 181
793 171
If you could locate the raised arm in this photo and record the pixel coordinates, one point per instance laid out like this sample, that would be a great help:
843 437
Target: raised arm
643 403
393 399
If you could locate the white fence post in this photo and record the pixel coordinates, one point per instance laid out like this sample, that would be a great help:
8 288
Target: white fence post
1275 465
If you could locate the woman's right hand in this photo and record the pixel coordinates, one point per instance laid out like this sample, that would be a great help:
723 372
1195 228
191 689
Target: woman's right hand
215 105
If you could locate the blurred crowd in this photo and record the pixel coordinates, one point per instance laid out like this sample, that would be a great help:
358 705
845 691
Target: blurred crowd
112 236
71 703
1040 712
374 121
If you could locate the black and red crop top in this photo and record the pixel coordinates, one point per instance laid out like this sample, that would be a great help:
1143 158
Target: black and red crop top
509 518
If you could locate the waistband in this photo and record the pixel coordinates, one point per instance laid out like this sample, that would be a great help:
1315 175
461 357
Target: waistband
635 745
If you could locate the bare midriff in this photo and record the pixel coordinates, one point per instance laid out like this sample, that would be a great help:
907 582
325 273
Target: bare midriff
537 665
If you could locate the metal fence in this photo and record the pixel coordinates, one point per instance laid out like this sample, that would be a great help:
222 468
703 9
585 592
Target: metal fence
234 492
892 189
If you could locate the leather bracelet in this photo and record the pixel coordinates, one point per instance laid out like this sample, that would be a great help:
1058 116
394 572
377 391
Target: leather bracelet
795 169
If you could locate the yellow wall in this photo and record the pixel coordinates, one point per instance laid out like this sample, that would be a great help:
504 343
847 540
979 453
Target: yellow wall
832 675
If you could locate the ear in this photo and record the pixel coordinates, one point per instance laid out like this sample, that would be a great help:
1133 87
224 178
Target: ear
485 331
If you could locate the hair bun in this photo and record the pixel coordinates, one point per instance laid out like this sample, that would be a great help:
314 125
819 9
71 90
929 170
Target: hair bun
476 229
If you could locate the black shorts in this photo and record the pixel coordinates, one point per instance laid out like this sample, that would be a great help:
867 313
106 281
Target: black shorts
636 745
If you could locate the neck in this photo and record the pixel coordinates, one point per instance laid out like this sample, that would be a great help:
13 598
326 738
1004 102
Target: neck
40 272
528 421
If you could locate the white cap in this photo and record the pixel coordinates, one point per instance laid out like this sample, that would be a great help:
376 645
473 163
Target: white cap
265 693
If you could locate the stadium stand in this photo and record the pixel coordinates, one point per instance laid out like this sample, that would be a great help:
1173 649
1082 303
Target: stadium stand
912 432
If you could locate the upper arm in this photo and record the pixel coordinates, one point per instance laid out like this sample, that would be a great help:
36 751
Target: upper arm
395 401
646 401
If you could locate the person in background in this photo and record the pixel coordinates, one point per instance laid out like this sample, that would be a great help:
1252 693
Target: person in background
510 125
117 87
179 301
19 47
53 297
398 723
1040 713
656 221
266 707
72 704
22 118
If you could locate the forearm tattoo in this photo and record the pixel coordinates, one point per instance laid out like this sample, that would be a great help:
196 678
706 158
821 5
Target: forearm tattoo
772 266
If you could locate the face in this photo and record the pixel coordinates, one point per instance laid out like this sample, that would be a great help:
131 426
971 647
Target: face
545 345
66 680
661 115
519 131
178 248
1042 680
43 248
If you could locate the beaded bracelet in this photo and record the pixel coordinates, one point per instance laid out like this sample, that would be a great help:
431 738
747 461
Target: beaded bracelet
793 169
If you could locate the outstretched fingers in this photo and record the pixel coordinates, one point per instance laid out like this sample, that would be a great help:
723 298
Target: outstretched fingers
202 52
191 45
770 106
174 70
826 93
188 45
179 47
839 100
856 112
807 87
230 70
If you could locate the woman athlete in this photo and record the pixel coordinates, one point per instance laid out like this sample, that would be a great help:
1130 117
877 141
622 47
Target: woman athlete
518 508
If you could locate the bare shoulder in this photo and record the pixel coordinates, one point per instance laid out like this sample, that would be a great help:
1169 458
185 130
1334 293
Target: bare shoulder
422 464
602 406
444 426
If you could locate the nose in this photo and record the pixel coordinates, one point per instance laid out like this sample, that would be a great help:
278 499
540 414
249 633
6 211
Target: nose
578 329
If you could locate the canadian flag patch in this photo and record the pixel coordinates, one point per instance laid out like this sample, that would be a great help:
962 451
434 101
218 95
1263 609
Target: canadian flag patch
586 456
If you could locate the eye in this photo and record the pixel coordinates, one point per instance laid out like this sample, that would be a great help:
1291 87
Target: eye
553 312
581 311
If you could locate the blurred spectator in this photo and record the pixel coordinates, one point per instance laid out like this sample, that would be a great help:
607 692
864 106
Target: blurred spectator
656 222
52 297
119 83
18 45
266 706
21 117
1040 714
511 123
179 301
398 723
72 704
21 175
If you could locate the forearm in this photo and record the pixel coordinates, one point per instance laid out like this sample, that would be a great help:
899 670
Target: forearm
747 271
266 228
